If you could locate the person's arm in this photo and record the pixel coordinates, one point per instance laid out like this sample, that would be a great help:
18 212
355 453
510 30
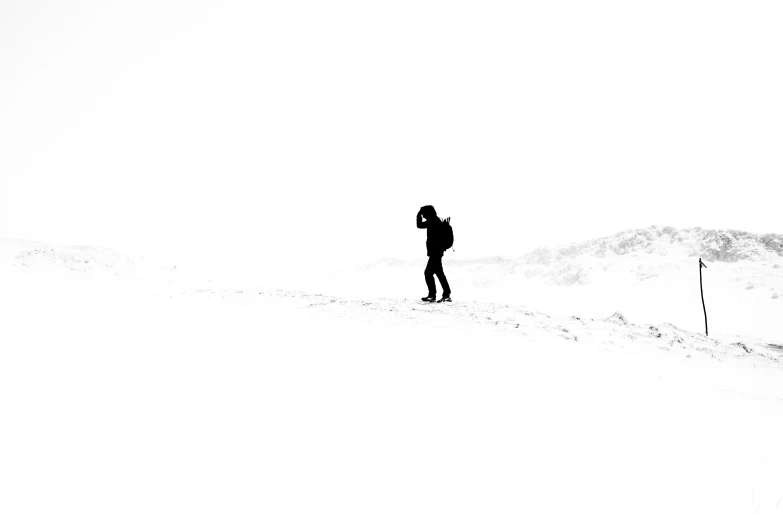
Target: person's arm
419 222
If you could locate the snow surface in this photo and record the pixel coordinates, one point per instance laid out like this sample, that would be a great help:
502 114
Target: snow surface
133 392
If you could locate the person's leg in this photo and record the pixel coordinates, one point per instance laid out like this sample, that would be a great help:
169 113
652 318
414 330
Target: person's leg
442 278
429 272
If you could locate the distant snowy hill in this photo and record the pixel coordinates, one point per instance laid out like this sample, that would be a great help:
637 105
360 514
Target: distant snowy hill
659 247
40 261
711 245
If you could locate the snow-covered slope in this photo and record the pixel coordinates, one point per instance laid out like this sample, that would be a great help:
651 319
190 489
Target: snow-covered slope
128 397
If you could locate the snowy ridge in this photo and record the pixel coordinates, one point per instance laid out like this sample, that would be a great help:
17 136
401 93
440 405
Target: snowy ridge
651 263
614 333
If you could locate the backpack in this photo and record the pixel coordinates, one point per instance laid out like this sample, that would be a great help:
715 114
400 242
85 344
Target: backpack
446 235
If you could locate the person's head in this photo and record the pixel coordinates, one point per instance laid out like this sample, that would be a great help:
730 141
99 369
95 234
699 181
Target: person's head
428 212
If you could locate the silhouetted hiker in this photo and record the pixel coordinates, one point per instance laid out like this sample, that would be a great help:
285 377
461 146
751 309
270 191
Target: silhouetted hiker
435 249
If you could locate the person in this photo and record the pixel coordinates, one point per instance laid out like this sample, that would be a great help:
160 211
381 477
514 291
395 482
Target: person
428 218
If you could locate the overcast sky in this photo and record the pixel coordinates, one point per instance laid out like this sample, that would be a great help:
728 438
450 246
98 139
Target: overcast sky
273 134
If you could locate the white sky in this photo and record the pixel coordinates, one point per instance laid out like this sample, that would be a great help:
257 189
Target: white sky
292 134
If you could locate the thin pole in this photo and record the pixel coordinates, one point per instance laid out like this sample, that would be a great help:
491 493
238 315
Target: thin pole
701 285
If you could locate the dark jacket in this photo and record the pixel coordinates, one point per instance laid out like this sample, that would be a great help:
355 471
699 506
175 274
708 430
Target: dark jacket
433 226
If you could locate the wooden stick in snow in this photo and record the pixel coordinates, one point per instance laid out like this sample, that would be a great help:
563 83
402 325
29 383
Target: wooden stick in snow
706 330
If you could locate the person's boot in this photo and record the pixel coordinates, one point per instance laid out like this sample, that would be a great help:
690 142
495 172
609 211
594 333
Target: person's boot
445 299
429 299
